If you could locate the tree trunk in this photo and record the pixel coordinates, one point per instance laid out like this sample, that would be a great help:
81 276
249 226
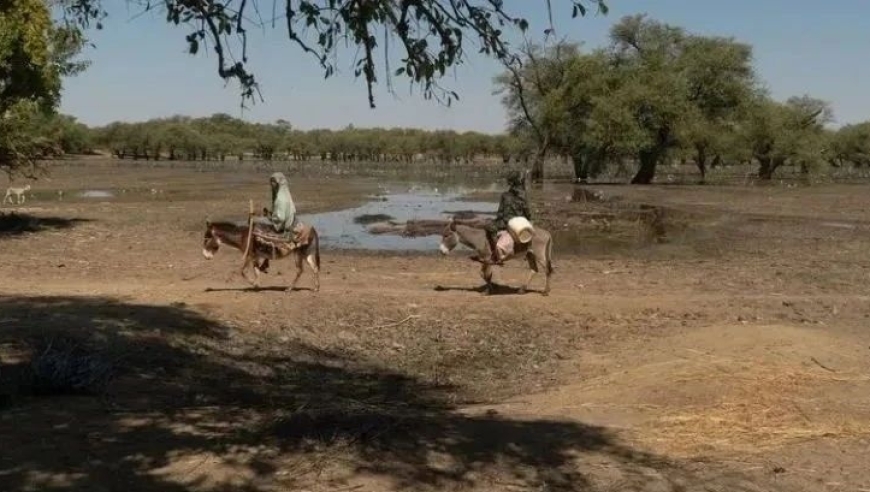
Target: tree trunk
581 170
701 162
767 166
537 175
649 159
581 164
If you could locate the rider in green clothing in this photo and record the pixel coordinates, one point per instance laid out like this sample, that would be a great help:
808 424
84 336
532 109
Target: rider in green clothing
513 203
282 217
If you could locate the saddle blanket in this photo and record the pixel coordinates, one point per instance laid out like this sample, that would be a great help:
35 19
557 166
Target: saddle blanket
301 234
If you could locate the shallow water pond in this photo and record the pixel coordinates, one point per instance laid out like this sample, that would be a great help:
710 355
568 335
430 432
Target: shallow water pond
347 228
97 194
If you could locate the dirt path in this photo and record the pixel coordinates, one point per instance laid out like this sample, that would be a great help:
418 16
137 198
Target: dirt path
673 367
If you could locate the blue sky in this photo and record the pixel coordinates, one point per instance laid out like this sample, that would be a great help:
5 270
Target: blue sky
141 68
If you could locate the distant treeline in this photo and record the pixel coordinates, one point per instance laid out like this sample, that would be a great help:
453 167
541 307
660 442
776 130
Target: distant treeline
221 136
655 95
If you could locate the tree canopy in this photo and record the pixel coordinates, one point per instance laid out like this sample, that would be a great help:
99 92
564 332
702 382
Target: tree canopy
657 92
221 136
35 53
432 35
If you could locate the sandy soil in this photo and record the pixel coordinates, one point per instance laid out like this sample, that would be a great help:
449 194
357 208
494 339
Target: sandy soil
720 346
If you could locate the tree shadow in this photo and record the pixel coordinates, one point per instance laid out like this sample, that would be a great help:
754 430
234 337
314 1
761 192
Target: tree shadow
14 223
196 404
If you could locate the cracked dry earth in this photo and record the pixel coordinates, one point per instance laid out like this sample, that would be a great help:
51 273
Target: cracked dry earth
733 356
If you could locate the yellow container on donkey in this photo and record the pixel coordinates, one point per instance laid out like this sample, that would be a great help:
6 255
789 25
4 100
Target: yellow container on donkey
521 229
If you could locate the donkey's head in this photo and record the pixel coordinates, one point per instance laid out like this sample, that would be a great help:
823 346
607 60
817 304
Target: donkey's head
210 241
449 238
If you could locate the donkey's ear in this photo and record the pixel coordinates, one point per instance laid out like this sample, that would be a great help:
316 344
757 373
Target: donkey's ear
207 221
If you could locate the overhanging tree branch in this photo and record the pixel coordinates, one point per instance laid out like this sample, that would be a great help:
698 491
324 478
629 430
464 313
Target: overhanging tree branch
416 23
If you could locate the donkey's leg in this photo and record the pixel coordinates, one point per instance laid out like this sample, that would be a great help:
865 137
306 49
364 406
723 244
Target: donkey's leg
263 266
546 291
244 271
486 273
297 259
312 262
547 274
547 265
256 272
533 269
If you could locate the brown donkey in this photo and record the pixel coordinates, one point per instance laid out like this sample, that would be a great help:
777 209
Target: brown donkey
235 235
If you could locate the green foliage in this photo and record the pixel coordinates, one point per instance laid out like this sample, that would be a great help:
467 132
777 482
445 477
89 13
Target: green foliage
658 93
221 136
786 133
35 53
23 138
851 145
26 68
432 34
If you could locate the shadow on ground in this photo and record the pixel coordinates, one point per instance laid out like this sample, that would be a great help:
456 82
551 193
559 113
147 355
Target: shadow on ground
196 406
497 289
13 224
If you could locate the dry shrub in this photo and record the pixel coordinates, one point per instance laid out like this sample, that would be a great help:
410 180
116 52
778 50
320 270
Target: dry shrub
63 367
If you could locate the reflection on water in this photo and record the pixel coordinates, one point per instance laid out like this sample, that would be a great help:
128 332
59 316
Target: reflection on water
96 194
339 229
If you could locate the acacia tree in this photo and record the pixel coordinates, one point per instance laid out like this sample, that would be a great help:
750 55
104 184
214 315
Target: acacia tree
528 81
431 34
649 53
851 145
721 81
654 92
786 133
592 115
34 54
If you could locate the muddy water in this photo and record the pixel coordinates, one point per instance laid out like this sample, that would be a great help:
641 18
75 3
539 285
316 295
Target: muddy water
344 229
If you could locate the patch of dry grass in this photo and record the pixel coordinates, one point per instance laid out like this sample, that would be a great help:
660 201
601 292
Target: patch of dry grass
761 407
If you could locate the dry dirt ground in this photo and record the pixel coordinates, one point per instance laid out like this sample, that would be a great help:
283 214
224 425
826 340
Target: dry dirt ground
722 347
